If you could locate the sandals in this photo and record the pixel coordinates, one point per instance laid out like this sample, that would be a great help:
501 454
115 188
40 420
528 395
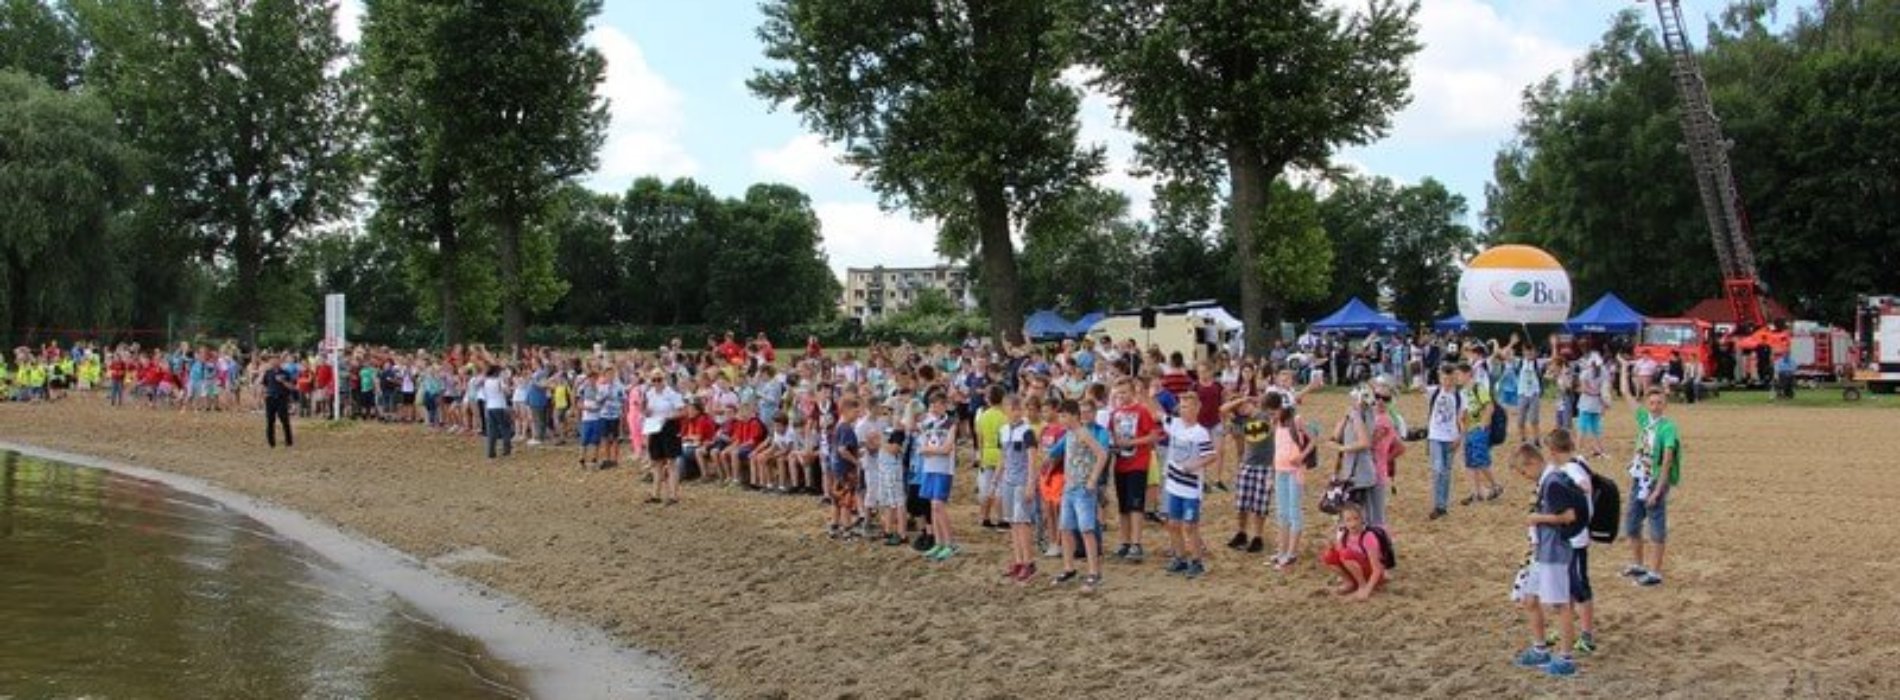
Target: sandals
1064 578
1091 583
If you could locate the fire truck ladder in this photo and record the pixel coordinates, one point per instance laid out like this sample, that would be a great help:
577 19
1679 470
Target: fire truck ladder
1715 181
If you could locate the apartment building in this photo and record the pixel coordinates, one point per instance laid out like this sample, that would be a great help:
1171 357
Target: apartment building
872 292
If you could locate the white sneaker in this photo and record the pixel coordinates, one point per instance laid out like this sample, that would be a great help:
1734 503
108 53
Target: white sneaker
534 443
1052 552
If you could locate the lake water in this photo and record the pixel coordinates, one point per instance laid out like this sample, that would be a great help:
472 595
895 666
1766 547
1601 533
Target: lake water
117 587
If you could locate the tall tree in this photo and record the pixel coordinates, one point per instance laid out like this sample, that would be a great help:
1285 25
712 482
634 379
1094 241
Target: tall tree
1251 87
1406 240
417 188
584 230
672 233
955 109
246 115
513 83
37 39
65 176
770 271
1083 253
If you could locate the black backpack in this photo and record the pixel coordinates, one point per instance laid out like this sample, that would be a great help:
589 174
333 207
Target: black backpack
1606 506
1500 423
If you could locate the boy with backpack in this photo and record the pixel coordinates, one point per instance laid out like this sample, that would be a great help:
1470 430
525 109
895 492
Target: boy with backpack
1544 583
1360 554
1483 429
1563 452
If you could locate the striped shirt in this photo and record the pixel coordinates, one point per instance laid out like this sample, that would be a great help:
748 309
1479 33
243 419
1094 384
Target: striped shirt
1188 442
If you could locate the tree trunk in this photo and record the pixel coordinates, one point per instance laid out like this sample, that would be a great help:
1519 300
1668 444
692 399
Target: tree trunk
998 253
1247 181
514 317
449 252
248 254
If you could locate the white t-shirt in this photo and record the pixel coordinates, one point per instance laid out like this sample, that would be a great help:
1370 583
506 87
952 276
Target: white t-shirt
1581 476
1187 442
494 393
662 404
1443 423
1590 389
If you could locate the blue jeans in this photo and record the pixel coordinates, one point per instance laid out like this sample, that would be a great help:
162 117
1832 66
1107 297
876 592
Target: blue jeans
1441 474
1286 497
1657 517
500 429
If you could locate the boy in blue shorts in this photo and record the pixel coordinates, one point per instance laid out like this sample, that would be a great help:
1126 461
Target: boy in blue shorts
1084 461
1476 388
937 442
1190 452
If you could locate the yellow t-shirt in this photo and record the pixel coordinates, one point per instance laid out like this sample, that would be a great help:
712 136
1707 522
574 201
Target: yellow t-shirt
989 436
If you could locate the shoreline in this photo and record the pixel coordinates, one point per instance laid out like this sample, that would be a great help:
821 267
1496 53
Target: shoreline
557 660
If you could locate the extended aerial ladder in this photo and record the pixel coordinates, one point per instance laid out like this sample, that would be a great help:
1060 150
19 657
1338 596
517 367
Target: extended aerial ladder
1715 181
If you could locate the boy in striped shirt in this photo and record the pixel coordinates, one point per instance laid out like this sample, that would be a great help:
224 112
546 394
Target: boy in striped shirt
1190 452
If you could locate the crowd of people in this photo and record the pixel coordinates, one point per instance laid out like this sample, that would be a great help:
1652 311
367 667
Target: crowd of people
1076 450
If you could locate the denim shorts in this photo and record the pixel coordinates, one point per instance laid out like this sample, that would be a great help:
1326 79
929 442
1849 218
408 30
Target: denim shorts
1641 512
1079 510
1182 510
1478 448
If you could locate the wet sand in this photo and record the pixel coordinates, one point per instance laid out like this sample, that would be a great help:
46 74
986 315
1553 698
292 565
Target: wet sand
1766 594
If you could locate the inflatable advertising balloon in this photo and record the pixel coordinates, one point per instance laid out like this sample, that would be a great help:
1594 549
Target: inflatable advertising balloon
1514 284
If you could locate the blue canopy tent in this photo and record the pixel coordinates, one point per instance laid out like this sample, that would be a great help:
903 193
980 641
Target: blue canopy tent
1046 325
1608 315
1087 321
1454 322
1357 318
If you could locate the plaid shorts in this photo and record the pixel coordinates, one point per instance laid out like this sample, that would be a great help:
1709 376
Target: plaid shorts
1252 488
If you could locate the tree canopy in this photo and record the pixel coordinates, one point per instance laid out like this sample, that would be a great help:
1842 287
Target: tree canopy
954 109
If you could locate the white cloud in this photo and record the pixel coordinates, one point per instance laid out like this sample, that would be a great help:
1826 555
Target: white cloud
1099 128
349 20
859 234
1468 79
806 160
648 116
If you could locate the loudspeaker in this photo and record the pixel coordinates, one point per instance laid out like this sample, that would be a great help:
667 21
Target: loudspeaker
1147 318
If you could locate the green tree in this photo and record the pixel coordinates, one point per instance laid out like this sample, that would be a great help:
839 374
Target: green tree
247 119
584 229
671 236
1083 253
1406 240
1293 255
1596 174
513 85
417 189
37 39
770 271
65 177
1251 89
954 109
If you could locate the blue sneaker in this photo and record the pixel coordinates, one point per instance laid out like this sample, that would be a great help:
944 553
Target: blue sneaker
1561 667
1533 658
1177 566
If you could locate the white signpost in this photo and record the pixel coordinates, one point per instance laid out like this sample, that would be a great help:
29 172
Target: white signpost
333 341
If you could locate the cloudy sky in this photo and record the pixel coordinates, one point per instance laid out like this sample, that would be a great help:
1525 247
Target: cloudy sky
676 76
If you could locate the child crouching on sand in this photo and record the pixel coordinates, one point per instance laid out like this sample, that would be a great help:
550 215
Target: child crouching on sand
1544 583
1357 555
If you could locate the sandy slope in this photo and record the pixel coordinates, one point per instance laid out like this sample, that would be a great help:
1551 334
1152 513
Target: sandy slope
1766 597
